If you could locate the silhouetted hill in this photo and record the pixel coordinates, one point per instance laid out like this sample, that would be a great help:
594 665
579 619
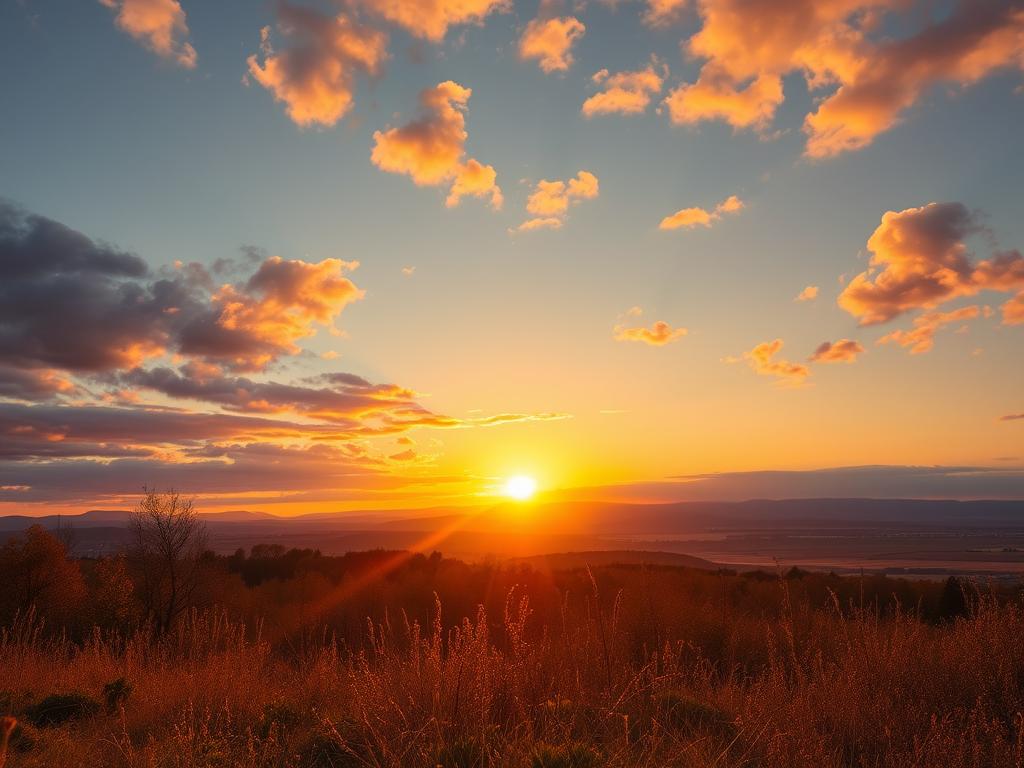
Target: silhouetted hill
569 560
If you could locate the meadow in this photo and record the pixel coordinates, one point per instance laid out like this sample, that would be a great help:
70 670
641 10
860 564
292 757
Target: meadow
291 658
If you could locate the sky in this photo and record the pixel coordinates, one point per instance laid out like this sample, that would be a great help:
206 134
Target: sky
370 254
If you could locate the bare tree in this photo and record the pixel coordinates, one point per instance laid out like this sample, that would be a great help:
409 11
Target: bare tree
168 540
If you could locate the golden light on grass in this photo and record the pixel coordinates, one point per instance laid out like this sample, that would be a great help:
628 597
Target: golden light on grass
520 487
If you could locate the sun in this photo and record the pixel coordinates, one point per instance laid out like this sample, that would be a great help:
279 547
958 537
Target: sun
520 487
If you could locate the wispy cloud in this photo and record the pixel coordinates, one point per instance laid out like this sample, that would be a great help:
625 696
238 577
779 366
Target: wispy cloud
688 218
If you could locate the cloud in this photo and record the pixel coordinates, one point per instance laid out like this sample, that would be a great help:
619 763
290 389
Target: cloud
624 93
430 19
550 41
347 400
693 217
430 149
33 384
1013 310
658 334
549 202
715 96
69 303
662 13
761 359
315 76
248 326
544 222
844 49
1012 417
976 39
408 271
920 260
475 180
842 351
922 337
810 293
160 25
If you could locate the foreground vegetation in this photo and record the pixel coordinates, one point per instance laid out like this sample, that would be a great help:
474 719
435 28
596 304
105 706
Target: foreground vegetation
390 659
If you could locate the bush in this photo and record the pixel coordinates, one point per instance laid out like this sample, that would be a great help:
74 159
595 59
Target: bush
573 755
60 708
116 693
24 737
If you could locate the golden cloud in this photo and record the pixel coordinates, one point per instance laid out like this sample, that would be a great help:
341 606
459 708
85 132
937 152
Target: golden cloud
662 13
430 149
160 25
550 41
315 76
430 19
549 201
810 293
693 217
762 359
842 351
749 46
1013 310
658 334
922 337
624 93
920 259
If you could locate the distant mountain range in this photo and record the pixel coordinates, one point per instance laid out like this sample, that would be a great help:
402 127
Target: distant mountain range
842 534
575 518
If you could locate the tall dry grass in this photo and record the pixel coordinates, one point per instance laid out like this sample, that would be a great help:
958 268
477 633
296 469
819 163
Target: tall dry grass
608 682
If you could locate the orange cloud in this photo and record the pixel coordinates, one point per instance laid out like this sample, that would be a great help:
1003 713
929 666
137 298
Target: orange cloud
159 25
842 351
749 46
430 19
658 334
315 76
920 260
810 293
662 13
550 41
760 358
625 93
251 325
693 217
974 41
476 180
541 222
1013 310
549 201
922 337
716 97
430 149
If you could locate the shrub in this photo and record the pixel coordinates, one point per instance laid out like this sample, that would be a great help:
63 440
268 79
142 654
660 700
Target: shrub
573 755
60 708
116 693
24 737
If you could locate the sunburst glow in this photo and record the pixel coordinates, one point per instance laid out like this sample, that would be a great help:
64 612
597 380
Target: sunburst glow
520 487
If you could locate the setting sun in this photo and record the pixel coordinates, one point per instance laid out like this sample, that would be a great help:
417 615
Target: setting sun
520 487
